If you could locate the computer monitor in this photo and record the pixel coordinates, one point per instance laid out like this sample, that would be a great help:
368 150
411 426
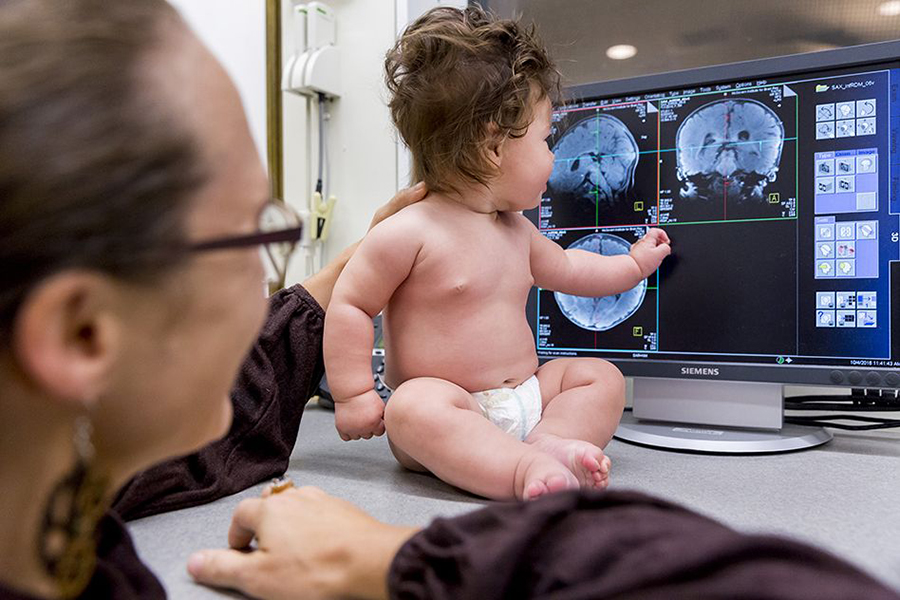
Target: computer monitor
777 181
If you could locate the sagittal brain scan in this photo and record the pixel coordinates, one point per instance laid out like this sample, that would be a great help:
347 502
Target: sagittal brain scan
595 161
729 148
600 314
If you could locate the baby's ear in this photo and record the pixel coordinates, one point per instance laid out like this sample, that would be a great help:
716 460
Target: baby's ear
495 144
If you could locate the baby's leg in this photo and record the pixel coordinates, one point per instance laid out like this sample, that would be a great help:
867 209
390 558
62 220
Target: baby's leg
437 425
583 400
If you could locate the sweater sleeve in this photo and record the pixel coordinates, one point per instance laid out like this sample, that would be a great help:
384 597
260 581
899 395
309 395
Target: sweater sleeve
594 545
277 378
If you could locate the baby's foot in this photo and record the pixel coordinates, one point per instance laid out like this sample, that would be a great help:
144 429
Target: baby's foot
586 461
542 474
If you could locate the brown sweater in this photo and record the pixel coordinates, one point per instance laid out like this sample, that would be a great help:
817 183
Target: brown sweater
575 545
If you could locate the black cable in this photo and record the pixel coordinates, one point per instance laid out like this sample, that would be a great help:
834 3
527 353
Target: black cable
321 143
843 427
863 400
827 421
789 405
857 402
861 396
859 418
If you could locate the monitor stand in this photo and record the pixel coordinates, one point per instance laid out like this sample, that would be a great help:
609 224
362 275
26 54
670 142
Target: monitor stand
728 417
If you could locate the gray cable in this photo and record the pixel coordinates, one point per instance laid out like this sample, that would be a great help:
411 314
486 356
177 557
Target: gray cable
319 183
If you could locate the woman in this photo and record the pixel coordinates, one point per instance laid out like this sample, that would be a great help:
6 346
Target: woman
130 291
127 174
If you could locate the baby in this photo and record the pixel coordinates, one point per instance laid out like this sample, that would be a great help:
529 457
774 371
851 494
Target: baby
471 97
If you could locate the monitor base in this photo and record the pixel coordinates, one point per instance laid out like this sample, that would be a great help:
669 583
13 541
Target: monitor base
718 440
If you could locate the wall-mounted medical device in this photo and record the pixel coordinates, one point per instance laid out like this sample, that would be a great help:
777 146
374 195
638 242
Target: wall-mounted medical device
314 66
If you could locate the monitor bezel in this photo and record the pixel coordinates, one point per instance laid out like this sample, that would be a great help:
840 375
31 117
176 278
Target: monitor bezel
777 66
826 375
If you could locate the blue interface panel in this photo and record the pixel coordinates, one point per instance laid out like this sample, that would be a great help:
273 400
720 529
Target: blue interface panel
780 196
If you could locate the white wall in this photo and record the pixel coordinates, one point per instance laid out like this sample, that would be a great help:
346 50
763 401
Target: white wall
235 31
363 153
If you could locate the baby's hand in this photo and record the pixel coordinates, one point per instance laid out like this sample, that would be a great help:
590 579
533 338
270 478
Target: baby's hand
649 251
359 416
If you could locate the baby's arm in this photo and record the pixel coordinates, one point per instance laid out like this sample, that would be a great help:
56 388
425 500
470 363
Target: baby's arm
584 273
383 260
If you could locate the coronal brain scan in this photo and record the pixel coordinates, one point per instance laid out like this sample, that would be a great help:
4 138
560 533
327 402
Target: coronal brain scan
729 148
595 160
600 314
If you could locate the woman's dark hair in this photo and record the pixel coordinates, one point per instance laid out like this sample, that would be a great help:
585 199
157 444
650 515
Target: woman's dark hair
95 167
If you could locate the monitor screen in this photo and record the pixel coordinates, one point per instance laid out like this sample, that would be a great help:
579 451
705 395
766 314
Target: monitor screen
777 182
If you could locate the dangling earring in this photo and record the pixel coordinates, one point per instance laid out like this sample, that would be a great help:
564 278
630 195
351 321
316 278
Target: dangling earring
67 541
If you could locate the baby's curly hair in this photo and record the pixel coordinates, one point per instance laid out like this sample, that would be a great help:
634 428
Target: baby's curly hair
460 81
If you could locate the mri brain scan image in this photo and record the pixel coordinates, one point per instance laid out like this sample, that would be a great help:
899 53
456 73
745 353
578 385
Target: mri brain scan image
600 314
595 160
729 148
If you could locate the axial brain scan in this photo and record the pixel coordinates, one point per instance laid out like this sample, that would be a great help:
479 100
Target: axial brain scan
600 314
595 160
729 148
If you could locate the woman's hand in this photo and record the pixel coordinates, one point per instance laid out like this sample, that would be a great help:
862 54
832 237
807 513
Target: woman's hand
308 545
404 198
321 285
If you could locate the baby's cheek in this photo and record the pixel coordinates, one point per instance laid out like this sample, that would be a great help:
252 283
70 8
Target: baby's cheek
549 163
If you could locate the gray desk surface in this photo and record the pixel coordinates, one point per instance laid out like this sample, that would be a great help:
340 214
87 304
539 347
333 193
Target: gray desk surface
844 496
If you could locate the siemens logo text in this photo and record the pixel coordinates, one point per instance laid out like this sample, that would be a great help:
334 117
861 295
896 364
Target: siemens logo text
699 371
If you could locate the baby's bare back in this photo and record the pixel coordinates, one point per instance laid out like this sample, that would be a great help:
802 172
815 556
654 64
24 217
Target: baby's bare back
460 314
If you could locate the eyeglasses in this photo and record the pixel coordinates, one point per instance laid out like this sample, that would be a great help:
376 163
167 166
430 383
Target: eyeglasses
280 228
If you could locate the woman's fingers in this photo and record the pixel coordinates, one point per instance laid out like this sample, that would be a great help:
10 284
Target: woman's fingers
227 569
245 523
404 198
299 532
409 195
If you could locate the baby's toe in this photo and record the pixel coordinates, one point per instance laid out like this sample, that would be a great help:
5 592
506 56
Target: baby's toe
558 483
605 464
590 463
534 490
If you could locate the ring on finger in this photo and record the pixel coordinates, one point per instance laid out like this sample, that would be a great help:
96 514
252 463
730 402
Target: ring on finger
280 484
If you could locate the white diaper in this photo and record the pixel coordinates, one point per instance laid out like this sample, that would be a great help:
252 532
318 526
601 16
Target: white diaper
514 410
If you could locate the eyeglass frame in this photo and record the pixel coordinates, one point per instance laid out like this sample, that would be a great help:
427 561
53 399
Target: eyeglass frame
291 235
260 238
